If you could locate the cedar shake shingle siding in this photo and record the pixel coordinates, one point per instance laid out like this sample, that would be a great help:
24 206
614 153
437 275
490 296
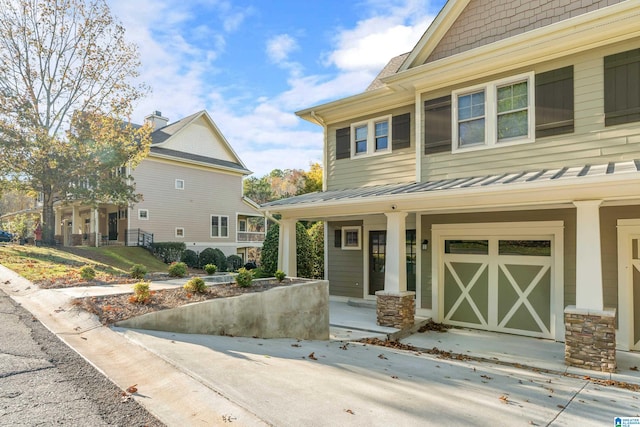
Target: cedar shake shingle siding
487 21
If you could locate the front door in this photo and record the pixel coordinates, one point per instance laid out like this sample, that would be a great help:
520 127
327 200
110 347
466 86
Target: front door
377 250
113 226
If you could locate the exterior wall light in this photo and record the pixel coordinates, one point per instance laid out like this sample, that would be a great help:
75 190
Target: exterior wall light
425 244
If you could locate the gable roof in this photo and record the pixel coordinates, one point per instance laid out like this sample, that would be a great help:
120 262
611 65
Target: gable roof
161 136
391 68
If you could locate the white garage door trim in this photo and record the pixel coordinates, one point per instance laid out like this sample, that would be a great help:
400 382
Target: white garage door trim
549 230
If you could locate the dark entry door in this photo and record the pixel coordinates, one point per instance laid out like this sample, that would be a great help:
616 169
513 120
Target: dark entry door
377 250
411 259
113 226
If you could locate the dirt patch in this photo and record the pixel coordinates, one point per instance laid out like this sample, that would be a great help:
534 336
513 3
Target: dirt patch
114 308
73 280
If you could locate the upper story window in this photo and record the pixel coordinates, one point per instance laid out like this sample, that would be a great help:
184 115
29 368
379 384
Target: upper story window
219 226
496 113
371 137
622 88
143 214
179 184
179 231
501 113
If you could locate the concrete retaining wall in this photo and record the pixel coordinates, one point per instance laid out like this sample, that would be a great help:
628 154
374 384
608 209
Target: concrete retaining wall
296 311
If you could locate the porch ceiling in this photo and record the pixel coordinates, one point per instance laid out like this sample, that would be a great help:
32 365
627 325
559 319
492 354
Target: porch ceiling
612 181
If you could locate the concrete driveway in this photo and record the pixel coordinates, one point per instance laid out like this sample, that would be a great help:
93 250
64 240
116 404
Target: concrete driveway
312 383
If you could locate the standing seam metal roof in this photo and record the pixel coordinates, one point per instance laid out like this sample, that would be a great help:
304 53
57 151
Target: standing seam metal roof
544 175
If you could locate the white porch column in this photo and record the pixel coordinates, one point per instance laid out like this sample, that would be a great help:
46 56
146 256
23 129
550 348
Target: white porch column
395 264
94 226
287 247
57 227
589 292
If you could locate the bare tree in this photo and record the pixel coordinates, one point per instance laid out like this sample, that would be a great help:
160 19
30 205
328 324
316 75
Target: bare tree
66 93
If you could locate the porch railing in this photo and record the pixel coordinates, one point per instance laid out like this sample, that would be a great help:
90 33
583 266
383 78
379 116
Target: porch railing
138 237
250 236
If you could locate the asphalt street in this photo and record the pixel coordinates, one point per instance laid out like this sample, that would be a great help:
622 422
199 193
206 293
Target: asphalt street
44 382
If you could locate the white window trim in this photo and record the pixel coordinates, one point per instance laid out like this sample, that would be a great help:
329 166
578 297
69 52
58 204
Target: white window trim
219 236
491 114
177 234
371 138
140 217
179 187
357 229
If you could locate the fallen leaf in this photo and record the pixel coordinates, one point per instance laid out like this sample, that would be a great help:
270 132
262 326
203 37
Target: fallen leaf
504 399
132 389
394 377
633 368
349 411
344 347
296 345
381 356
312 356
486 377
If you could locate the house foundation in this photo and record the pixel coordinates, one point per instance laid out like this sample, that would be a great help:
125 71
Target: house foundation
396 309
590 339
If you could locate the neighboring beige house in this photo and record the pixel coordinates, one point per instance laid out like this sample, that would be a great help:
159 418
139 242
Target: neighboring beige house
491 175
192 188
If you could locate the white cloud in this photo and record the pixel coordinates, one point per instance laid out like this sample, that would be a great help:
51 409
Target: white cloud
280 46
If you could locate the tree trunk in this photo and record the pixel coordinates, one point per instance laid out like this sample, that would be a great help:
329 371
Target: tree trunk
49 219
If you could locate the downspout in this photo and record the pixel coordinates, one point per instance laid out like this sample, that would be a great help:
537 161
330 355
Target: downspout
325 161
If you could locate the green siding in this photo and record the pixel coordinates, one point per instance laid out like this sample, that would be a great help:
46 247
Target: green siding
345 267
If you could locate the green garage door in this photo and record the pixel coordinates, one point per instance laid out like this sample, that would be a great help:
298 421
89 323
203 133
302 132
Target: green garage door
498 284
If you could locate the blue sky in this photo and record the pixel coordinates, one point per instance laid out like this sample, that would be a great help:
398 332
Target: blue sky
252 63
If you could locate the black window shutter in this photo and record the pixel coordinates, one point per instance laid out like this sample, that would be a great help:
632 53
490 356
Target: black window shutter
401 131
622 88
437 125
343 143
554 102
337 242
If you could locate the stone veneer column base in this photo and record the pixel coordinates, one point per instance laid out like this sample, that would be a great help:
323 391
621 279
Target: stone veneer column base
396 309
590 338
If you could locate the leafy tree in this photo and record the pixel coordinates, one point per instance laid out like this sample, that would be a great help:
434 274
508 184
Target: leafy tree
312 179
269 256
258 190
316 234
65 96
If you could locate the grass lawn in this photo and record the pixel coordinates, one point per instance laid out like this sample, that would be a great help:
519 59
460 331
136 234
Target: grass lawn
38 264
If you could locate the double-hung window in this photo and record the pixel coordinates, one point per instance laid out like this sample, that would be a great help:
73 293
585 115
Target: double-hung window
371 137
493 114
219 226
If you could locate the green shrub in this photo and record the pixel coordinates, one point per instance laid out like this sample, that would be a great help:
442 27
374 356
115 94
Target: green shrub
190 258
214 256
234 262
168 251
259 273
316 234
141 292
210 268
138 271
87 273
280 275
195 285
304 257
244 277
178 269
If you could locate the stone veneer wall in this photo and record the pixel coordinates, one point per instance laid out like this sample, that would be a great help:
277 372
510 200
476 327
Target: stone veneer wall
590 339
396 310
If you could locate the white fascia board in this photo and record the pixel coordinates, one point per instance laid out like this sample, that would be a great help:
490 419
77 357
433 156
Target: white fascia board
509 197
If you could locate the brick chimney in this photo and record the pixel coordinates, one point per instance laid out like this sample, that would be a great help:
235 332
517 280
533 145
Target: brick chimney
156 120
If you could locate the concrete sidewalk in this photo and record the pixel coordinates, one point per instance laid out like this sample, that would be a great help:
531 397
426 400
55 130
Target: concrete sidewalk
211 380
